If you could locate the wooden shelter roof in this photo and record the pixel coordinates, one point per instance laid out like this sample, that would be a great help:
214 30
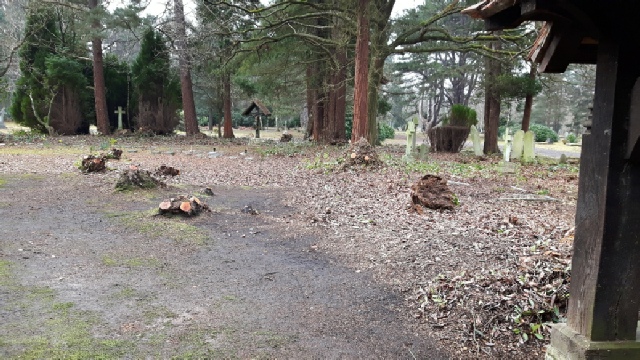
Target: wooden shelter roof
262 110
572 30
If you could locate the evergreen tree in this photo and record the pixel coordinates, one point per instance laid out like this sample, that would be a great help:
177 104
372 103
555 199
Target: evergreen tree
156 85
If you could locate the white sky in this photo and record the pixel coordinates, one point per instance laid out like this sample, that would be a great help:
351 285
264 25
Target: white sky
157 7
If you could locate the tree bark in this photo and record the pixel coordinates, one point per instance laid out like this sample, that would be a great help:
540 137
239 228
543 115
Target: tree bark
310 99
528 101
228 122
360 104
100 94
492 104
188 103
341 96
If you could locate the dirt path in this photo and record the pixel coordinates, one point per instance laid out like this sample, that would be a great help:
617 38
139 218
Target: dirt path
88 273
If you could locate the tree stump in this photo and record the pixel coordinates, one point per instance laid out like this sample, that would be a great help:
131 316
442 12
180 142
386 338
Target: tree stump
183 205
432 192
136 178
448 138
114 154
164 170
92 163
286 138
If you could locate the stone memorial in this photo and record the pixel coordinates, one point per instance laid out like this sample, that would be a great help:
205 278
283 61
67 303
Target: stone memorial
507 145
518 145
2 113
528 154
120 112
411 138
475 139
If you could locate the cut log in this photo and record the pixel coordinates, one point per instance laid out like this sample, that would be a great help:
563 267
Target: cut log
183 205
167 171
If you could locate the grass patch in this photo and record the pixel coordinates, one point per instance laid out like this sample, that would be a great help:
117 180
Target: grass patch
137 262
171 227
42 328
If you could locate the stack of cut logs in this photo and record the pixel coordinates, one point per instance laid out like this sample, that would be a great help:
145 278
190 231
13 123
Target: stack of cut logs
186 205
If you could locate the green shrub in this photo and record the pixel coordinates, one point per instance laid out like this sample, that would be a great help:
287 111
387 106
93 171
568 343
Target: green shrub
543 133
385 132
572 139
462 116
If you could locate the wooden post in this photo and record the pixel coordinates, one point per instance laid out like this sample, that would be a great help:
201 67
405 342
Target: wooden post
605 281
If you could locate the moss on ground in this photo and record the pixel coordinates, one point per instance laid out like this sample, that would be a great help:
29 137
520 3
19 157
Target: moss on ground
165 227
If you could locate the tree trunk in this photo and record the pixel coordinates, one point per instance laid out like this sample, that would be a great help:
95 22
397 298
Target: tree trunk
492 104
528 102
102 118
341 95
310 100
188 104
228 122
376 72
360 104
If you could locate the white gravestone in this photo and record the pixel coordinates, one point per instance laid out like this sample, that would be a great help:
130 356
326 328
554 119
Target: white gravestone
529 146
518 145
120 112
2 113
507 145
475 139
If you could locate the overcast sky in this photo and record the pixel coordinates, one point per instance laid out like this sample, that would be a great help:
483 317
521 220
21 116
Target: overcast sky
157 7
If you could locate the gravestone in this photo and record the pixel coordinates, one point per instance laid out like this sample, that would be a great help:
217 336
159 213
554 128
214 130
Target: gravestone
2 113
507 145
475 139
518 145
529 154
411 138
120 112
423 151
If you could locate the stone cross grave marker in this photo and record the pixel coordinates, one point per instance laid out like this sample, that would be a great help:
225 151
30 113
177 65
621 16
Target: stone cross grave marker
529 146
120 112
411 137
475 138
507 145
518 145
2 113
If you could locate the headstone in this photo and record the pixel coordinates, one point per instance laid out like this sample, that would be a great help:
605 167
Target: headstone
507 146
423 152
120 112
214 154
528 154
411 138
563 159
475 139
2 113
518 145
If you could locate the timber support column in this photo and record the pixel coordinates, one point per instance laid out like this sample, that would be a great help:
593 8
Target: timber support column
605 281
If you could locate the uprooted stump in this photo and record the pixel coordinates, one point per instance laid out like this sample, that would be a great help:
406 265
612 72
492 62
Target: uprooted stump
164 170
286 138
361 153
432 192
136 178
183 205
92 163
114 154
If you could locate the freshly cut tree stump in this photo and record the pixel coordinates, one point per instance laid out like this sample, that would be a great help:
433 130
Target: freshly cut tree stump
167 171
184 205
432 192
136 178
92 163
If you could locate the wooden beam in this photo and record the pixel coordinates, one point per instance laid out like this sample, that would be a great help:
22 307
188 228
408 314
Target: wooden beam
562 49
605 280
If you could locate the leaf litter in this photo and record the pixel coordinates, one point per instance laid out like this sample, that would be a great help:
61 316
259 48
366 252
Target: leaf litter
484 279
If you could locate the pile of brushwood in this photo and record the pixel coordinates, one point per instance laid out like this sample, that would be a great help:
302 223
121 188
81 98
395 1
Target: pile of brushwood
135 178
432 192
361 153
